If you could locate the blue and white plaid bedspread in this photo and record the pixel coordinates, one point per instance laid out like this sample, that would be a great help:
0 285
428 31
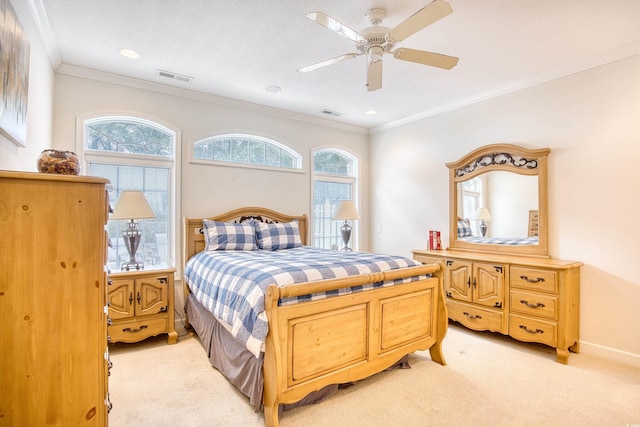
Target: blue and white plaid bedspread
232 284
509 241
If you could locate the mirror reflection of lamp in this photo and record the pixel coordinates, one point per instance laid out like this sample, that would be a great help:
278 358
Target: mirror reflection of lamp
346 211
132 205
483 215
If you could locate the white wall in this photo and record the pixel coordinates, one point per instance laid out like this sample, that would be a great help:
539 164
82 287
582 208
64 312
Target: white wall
591 123
13 157
206 189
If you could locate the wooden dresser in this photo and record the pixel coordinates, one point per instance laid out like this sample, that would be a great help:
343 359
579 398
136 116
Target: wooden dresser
530 299
53 336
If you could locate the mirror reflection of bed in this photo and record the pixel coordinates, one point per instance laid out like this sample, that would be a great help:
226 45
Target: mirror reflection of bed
508 197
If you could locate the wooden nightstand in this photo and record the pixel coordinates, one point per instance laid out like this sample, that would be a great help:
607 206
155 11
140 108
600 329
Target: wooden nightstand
141 305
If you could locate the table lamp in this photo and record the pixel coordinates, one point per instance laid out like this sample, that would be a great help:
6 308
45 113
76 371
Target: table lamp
483 216
132 205
346 211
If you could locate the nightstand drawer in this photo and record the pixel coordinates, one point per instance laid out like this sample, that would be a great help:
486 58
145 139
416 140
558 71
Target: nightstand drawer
534 304
137 329
533 330
534 279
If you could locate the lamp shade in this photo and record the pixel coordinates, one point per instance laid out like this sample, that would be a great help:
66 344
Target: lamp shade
132 205
346 210
482 214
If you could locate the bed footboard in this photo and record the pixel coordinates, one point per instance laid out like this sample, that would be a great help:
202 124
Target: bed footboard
350 337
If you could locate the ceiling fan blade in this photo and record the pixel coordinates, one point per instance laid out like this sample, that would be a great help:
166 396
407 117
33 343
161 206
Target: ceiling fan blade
426 16
335 26
426 58
374 75
328 62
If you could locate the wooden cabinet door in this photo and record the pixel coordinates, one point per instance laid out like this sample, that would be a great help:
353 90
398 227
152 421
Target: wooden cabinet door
121 299
488 284
151 295
457 280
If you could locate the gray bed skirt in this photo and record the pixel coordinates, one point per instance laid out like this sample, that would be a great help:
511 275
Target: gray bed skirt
238 364
234 361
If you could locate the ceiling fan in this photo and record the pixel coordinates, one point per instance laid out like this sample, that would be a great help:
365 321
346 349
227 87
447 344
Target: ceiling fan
377 40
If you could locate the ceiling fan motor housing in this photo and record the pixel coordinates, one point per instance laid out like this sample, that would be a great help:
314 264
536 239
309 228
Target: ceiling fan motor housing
376 42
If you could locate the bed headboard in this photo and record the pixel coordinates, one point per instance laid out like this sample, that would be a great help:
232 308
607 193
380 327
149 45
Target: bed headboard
194 237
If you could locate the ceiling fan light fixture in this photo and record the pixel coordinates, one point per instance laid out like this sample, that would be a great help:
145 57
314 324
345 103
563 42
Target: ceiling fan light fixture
375 54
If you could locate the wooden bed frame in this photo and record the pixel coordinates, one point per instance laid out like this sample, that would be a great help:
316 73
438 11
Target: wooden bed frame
339 339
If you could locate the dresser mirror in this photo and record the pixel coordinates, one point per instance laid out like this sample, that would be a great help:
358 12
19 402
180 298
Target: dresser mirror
498 201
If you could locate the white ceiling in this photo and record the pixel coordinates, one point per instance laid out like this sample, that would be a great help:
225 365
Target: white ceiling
235 49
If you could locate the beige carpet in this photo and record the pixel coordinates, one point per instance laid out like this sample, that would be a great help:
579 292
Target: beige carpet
489 380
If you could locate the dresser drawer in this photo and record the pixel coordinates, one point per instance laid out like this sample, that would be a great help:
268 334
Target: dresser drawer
535 304
137 329
533 330
426 259
474 317
534 279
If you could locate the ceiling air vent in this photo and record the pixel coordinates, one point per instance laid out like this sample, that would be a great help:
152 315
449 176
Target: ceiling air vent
331 113
174 76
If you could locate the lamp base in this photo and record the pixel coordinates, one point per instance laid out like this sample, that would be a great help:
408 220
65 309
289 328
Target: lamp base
483 228
345 230
132 236
135 265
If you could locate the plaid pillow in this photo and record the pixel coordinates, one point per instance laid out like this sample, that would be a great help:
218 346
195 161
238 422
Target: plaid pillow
228 236
283 235
464 229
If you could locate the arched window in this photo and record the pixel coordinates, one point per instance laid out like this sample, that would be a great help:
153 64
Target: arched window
136 154
334 179
246 150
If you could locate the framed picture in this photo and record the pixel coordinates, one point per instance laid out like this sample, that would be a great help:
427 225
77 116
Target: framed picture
14 76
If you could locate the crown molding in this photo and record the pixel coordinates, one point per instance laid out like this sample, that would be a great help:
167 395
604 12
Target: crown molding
592 62
39 15
87 73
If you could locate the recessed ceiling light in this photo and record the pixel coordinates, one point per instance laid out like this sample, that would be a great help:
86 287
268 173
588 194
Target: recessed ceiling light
273 89
371 112
129 53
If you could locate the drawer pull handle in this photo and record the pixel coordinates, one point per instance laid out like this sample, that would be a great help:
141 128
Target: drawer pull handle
528 304
477 316
536 280
133 331
130 298
138 297
537 331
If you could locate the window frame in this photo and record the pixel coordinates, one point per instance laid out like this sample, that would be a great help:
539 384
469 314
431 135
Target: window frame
352 179
173 164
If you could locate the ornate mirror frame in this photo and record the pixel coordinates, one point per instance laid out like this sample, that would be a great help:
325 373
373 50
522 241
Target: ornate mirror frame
501 157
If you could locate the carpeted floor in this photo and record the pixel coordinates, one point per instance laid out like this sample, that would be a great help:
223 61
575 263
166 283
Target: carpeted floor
489 380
